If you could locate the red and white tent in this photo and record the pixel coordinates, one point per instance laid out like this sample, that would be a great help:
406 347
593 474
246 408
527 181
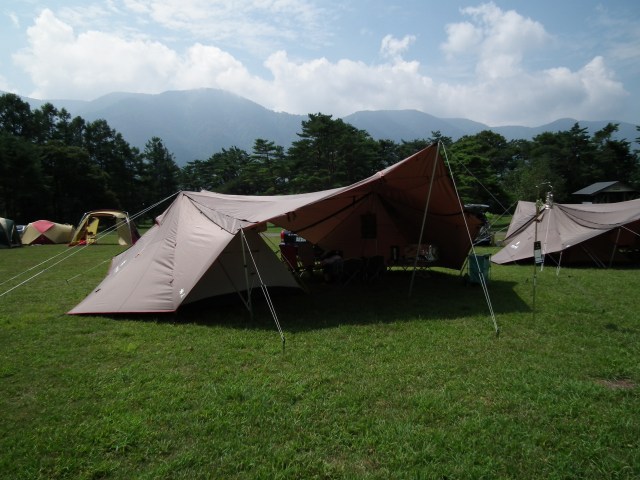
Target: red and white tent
46 232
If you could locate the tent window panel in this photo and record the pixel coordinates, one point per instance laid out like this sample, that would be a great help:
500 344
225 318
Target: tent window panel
369 226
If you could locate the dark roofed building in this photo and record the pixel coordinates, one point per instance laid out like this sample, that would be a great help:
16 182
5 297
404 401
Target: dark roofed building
607 192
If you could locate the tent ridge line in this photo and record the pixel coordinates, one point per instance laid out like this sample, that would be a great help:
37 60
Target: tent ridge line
198 206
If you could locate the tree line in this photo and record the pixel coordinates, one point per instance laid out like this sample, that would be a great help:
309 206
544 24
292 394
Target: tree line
53 166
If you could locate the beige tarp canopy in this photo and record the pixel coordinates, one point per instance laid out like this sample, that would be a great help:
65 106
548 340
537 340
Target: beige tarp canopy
195 250
602 233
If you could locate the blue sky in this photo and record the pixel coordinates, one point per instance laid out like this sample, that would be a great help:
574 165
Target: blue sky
500 62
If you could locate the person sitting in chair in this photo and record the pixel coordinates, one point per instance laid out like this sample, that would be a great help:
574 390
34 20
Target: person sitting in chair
331 265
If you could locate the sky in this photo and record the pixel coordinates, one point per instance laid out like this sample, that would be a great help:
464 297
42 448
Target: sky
518 62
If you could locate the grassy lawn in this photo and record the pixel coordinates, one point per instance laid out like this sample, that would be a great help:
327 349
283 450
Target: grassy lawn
372 383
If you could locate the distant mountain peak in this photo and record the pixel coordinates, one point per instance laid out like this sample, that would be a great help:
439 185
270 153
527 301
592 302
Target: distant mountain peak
195 124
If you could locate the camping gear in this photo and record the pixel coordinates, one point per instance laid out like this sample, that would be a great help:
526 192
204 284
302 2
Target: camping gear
602 233
480 209
194 250
42 232
9 236
479 267
102 220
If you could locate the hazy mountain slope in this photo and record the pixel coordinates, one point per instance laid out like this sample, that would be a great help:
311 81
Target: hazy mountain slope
195 124
400 125
625 130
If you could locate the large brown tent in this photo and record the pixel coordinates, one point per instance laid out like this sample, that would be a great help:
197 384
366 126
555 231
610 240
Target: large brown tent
204 244
603 233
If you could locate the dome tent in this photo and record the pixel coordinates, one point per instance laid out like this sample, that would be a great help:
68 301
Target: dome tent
42 232
9 236
99 220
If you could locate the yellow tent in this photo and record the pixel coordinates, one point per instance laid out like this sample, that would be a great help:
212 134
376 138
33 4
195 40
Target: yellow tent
103 221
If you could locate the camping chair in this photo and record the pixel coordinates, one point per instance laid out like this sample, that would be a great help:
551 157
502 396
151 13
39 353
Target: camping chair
306 257
352 269
373 268
289 255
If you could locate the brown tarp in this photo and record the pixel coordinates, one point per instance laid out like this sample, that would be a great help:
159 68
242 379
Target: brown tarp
195 249
602 233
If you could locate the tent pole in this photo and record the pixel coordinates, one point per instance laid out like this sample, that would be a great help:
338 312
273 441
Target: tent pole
535 265
246 273
263 286
615 247
559 263
540 206
424 218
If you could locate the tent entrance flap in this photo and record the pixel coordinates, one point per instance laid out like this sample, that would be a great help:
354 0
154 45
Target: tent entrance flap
233 271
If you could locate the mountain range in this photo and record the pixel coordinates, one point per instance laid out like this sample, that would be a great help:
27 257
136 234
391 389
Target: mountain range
195 124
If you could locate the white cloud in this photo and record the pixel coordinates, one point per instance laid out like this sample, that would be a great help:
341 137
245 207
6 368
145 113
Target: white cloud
463 37
63 63
251 24
91 63
4 85
498 38
342 87
14 19
207 66
393 48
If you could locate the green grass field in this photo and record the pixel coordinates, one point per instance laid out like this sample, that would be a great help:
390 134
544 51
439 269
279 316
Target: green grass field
372 383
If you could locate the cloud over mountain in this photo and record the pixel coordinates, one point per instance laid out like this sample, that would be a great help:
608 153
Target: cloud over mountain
488 65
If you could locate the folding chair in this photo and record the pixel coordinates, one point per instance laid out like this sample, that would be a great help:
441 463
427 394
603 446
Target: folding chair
352 268
373 268
306 257
289 256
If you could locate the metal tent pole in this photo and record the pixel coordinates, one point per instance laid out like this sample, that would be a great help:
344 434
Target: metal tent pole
424 218
265 291
246 273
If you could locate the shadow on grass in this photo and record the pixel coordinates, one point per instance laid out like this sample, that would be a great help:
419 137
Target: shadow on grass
437 296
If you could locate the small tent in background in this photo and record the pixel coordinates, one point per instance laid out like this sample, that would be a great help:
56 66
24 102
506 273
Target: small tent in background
42 232
101 220
207 244
9 236
602 233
